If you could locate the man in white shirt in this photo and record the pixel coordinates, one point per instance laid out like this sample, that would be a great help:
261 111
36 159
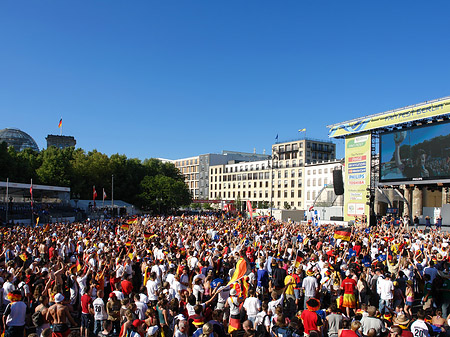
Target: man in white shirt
252 306
420 327
152 289
141 307
310 286
385 288
100 314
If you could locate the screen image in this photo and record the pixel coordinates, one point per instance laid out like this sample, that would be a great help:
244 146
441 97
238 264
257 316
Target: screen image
416 154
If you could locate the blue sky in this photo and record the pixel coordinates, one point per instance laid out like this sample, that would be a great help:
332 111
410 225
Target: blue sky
175 79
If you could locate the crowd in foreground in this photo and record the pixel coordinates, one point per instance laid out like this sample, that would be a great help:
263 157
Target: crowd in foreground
217 276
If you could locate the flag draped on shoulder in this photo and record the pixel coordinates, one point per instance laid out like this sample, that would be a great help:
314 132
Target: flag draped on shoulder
342 233
242 269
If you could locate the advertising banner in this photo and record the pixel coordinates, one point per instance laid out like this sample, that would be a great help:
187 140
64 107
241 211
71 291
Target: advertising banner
357 176
408 114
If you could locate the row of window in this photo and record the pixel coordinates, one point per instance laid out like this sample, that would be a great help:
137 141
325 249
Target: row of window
233 194
186 162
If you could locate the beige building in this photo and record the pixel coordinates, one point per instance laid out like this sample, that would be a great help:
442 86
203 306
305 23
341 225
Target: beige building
189 168
285 172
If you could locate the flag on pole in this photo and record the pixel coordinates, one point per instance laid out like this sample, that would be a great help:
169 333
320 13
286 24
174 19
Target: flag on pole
31 192
242 269
302 130
37 221
94 193
276 138
249 208
60 123
47 228
298 259
104 194
343 233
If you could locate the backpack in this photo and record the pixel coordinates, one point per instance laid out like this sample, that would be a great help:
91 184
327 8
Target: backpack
261 330
37 318
281 332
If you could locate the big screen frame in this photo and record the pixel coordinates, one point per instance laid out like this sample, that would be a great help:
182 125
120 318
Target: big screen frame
412 179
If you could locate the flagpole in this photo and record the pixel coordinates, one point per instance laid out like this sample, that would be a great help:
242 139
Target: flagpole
112 195
7 199
32 213
103 196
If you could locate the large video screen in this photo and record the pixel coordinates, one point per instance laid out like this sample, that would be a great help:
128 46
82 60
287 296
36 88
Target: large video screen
417 154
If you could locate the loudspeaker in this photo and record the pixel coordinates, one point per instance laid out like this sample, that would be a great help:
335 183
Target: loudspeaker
338 184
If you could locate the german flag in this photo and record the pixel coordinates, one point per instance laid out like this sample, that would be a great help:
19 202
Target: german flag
47 228
132 221
147 236
298 259
342 233
125 227
242 269
128 243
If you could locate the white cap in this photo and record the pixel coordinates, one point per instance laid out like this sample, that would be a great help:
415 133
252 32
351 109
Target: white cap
59 297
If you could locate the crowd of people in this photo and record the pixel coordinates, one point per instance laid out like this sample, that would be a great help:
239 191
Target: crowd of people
208 276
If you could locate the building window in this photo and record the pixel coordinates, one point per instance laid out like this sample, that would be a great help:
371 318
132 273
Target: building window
292 194
285 194
299 194
285 184
308 195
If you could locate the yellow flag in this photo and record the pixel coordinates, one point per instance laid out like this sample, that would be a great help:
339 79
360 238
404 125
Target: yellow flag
37 221
302 130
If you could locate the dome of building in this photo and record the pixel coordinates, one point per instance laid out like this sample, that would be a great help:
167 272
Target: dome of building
18 139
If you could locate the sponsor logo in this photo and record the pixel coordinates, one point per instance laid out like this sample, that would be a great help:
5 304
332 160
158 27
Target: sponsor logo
357 176
357 182
358 164
357 158
358 170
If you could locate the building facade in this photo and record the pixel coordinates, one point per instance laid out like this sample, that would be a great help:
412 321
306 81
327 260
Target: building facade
196 169
319 180
60 142
278 181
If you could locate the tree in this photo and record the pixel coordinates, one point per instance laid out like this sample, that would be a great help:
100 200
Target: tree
163 194
287 205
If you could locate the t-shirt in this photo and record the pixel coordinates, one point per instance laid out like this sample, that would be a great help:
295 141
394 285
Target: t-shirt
127 287
348 285
310 285
290 288
99 310
420 329
279 274
311 321
234 305
15 313
86 301
252 306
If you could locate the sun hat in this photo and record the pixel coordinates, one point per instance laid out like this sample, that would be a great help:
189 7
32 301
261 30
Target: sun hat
59 298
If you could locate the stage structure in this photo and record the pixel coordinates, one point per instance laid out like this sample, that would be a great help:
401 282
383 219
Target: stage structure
391 154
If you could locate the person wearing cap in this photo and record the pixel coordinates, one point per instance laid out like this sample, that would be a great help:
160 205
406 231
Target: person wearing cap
58 314
233 302
385 289
113 309
310 286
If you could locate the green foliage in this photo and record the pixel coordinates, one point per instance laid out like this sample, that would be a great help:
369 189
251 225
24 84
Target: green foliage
163 193
287 205
135 182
